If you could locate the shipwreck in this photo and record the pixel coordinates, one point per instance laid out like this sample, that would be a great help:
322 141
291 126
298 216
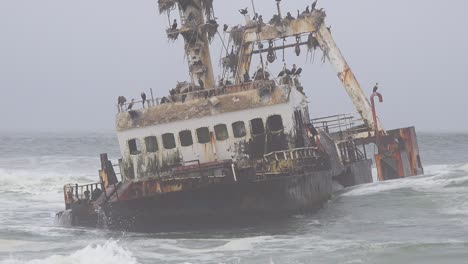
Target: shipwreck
242 145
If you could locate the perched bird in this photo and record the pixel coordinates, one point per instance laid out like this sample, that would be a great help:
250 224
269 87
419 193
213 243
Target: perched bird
255 16
246 76
201 83
298 72
307 10
314 4
225 27
143 98
121 101
130 106
376 87
165 100
293 70
244 11
329 29
281 74
260 19
289 16
298 13
174 25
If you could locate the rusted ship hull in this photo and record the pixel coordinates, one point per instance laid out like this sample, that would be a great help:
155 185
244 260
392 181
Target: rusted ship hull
221 203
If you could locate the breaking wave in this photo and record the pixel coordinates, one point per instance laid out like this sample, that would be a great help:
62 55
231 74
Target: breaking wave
107 253
41 176
438 178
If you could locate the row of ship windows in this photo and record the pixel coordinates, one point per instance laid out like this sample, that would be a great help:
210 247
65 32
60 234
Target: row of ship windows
274 123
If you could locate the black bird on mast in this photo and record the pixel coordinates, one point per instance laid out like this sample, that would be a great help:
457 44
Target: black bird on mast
281 74
174 25
143 98
314 4
225 27
244 11
298 72
130 106
293 70
376 87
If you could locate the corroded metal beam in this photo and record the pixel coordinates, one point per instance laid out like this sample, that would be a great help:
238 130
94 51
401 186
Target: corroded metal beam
306 24
346 76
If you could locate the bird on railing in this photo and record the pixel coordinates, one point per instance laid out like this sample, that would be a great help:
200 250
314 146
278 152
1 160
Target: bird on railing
130 106
121 101
201 83
174 25
143 98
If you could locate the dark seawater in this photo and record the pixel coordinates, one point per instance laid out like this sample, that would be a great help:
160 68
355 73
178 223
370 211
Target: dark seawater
415 220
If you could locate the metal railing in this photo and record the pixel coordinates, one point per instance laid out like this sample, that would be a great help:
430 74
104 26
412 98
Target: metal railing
76 192
344 124
292 154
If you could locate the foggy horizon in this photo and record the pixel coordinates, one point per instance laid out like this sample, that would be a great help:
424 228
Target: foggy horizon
63 64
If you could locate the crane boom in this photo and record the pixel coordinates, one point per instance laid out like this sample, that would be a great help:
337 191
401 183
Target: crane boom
346 76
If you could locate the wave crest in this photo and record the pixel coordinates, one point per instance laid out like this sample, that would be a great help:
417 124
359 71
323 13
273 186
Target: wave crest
107 253
440 178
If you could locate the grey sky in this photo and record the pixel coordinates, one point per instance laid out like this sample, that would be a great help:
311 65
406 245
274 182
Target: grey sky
63 63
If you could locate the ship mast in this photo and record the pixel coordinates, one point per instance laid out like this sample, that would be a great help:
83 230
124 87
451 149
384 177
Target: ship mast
197 28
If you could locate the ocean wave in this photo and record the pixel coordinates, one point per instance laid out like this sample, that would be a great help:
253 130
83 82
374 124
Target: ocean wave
39 185
108 253
240 244
41 176
438 178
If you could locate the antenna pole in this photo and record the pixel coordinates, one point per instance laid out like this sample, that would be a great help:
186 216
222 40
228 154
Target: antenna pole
278 6
253 7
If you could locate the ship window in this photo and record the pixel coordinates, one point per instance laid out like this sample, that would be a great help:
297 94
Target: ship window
151 144
133 145
221 132
275 123
239 129
169 141
186 138
203 135
257 126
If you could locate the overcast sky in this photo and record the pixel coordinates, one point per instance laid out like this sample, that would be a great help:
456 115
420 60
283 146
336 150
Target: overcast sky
63 63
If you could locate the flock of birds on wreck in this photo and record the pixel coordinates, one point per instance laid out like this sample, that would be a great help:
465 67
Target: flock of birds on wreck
294 72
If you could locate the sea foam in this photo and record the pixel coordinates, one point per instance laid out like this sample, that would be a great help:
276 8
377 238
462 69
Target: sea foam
437 179
107 253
